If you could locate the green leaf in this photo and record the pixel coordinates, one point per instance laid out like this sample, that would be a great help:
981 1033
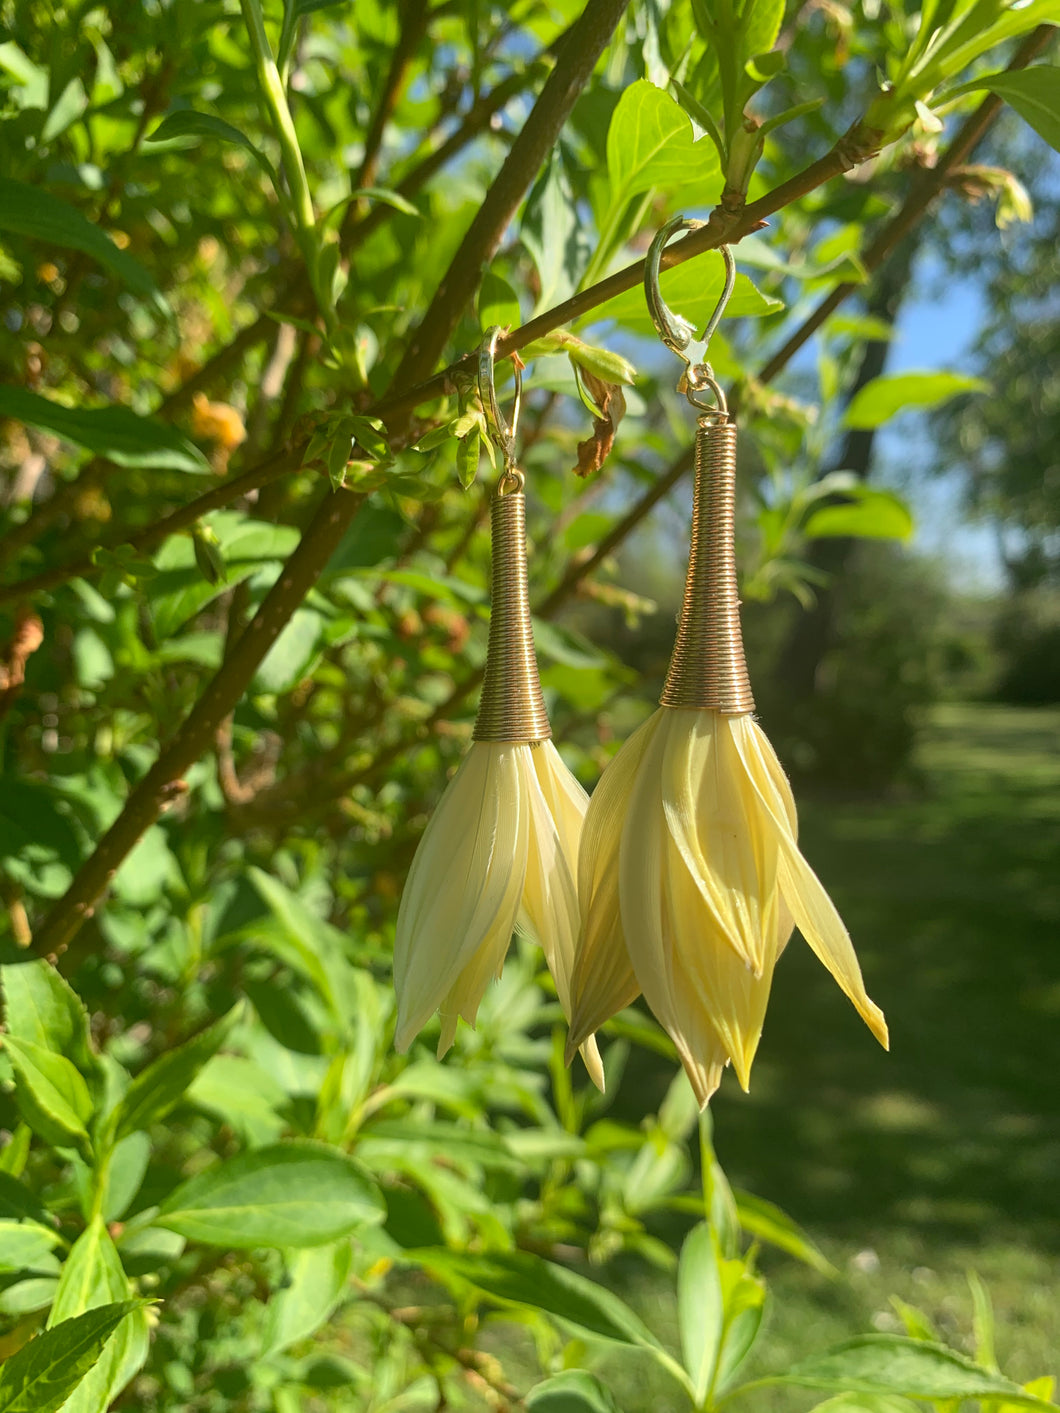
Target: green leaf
877 402
767 1222
35 823
609 366
292 1194
553 234
29 211
872 515
866 1403
317 1280
521 1278
52 1097
305 942
117 433
700 1308
467 455
573 1391
498 303
40 1006
44 1372
27 1246
387 197
760 23
442 1141
894 1364
650 143
162 1084
93 1277
189 123
1035 95
692 289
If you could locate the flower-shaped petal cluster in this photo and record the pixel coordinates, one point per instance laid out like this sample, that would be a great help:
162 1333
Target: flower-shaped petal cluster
691 882
500 851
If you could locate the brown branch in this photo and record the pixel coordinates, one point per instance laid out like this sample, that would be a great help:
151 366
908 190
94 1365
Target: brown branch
163 782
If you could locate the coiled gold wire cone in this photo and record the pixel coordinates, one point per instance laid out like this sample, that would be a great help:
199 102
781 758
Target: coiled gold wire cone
512 707
707 668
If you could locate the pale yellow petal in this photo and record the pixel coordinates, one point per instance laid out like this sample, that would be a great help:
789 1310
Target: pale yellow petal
550 899
643 881
813 911
728 854
648 911
566 800
464 885
602 982
760 758
710 981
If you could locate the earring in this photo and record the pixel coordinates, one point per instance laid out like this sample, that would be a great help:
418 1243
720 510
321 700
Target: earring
691 879
501 850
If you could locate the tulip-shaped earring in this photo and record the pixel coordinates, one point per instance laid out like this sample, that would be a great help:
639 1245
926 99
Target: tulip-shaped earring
691 879
501 850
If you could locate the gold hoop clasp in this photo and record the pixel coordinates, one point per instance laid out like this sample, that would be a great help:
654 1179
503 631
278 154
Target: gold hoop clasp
501 431
677 333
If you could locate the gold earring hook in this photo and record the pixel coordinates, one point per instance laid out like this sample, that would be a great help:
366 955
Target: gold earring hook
502 432
676 332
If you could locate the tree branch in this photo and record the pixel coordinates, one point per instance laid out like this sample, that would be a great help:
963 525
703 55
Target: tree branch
162 783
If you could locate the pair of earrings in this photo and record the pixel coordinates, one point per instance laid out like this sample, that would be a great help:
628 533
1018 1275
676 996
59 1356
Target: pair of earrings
682 878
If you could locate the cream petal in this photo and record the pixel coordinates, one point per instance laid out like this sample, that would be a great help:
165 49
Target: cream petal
464 885
648 911
760 759
550 898
602 981
465 995
711 983
643 881
804 895
567 801
730 857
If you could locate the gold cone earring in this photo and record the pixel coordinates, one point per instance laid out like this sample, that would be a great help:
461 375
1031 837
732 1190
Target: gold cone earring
690 876
501 850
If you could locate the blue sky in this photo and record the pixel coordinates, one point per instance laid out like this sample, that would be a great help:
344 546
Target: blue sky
936 329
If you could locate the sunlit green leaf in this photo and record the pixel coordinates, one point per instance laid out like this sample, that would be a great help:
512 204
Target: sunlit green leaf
293 1194
894 1364
44 1372
891 393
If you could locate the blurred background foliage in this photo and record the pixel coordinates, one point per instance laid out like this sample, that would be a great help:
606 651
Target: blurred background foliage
220 229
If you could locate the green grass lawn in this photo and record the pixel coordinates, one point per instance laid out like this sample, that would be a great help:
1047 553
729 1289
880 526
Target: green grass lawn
913 1167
